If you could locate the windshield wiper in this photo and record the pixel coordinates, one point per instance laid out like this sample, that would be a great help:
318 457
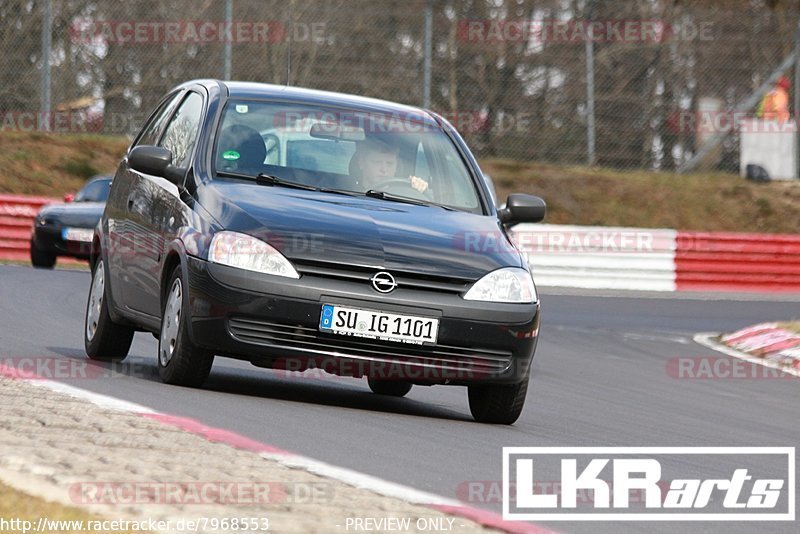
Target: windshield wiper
383 195
269 179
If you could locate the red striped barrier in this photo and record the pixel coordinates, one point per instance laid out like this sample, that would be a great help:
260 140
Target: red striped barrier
723 261
16 222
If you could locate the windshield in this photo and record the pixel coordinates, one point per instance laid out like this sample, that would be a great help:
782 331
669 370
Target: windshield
405 156
96 191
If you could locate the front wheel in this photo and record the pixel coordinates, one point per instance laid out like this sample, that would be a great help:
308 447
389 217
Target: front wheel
41 258
179 361
104 340
498 403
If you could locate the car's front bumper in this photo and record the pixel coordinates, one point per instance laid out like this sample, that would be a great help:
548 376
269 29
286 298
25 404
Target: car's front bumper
49 238
273 322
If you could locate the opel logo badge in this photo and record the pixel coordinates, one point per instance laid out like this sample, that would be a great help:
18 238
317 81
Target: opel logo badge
383 282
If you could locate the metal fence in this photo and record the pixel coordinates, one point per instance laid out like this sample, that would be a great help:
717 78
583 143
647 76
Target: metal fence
636 84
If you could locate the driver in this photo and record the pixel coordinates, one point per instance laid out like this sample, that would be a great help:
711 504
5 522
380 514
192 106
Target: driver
376 163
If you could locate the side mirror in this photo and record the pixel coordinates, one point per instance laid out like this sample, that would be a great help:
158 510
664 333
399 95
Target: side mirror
69 197
156 161
521 208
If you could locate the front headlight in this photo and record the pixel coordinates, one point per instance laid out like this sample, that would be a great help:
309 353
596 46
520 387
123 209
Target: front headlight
504 285
247 252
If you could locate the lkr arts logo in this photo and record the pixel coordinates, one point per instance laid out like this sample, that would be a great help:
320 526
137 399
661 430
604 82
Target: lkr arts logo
649 483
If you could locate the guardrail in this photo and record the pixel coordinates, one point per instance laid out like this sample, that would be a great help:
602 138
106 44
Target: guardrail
16 222
737 262
660 260
599 257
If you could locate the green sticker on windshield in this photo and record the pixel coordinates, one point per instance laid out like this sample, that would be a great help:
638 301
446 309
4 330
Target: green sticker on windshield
230 155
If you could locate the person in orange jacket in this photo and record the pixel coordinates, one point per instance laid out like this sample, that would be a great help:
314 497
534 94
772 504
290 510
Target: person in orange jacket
775 104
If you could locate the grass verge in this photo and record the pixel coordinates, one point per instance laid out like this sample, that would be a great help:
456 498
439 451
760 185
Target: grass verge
17 505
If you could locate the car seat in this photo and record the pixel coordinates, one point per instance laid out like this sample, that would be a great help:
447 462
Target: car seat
242 149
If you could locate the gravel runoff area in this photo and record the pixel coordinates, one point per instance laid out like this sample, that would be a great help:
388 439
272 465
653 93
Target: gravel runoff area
122 465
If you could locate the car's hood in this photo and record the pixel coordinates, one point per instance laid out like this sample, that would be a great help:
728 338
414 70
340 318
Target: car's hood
81 214
313 226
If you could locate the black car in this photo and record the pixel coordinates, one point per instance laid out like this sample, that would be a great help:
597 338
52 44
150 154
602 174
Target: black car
67 229
300 229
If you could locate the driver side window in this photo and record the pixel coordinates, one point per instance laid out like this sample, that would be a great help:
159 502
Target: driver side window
179 137
150 132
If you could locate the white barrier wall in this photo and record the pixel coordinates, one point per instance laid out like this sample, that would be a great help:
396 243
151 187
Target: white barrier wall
599 257
769 144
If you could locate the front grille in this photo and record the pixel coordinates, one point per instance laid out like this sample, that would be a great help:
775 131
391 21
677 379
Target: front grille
478 360
363 274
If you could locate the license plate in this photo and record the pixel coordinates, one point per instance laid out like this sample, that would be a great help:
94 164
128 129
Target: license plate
84 235
373 324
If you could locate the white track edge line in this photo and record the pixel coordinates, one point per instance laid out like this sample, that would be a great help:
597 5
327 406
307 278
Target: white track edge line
361 480
98 399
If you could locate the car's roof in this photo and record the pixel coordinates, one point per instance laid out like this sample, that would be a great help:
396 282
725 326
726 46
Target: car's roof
254 90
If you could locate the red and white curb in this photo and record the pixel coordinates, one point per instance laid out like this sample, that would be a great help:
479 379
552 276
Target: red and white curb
765 344
289 459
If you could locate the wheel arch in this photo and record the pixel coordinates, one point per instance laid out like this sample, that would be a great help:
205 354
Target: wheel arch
175 256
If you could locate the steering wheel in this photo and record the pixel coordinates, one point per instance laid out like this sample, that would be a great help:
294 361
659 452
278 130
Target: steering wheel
402 186
397 182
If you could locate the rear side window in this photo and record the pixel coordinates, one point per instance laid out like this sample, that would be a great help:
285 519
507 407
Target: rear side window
181 133
149 134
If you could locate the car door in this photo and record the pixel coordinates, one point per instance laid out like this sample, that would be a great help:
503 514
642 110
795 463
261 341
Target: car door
123 240
164 213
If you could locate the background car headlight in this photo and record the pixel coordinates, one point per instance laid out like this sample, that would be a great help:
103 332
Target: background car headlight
247 252
504 285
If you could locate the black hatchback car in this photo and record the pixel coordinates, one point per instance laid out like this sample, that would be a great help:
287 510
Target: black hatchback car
67 229
300 229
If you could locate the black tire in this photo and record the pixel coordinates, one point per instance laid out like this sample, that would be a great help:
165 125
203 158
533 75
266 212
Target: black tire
179 362
392 388
41 258
499 404
104 340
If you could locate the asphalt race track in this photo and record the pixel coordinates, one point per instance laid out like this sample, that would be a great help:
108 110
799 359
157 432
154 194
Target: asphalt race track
600 378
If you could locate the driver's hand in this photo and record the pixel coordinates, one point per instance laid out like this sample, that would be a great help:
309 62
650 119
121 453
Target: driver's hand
419 184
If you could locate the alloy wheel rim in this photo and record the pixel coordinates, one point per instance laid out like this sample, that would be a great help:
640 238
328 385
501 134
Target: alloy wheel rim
170 323
95 301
